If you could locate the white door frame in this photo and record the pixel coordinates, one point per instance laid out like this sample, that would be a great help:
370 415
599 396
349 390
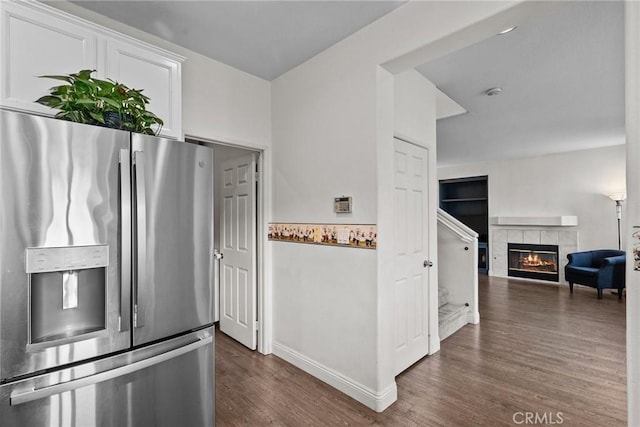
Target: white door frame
432 288
415 347
264 285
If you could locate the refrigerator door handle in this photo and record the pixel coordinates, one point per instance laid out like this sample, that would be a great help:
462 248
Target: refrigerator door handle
125 239
141 238
18 398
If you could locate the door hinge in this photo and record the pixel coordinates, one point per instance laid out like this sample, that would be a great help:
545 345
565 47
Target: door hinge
257 325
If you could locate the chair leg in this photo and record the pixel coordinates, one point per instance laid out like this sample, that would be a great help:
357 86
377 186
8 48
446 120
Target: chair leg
570 287
620 293
599 293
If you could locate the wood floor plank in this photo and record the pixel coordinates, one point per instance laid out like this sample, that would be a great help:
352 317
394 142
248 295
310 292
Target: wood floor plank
538 348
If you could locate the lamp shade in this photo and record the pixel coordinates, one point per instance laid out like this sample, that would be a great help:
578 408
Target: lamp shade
617 197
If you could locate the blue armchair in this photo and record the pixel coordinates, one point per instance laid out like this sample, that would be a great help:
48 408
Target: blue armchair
600 269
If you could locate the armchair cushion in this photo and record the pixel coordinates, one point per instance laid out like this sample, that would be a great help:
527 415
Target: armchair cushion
583 275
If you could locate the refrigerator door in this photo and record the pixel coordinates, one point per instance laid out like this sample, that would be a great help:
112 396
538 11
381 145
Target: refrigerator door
173 235
168 384
64 292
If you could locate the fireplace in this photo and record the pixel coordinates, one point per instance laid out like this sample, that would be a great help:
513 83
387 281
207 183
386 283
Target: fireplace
533 261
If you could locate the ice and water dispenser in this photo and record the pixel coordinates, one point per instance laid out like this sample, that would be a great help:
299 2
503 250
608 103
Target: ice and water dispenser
67 291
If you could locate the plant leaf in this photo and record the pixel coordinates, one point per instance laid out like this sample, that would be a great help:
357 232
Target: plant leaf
60 90
63 78
49 101
86 101
110 101
98 117
84 74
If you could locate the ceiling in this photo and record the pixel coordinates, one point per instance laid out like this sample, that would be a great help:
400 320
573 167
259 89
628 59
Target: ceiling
562 80
263 38
562 74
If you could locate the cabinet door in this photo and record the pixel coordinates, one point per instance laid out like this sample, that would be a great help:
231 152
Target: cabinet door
156 72
34 43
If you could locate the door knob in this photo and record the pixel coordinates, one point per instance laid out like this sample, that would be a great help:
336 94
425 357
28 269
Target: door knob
427 263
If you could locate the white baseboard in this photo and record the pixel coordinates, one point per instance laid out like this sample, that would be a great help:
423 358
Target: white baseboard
378 401
473 317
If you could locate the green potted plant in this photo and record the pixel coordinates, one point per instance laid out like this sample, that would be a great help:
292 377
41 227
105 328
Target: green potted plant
86 99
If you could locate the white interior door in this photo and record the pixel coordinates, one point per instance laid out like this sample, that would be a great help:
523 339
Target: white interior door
238 280
411 260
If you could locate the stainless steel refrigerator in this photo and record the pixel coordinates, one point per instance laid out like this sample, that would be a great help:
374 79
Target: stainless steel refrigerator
106 301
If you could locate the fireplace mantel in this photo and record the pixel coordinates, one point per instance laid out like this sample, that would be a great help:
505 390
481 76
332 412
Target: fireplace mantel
543 230
544 221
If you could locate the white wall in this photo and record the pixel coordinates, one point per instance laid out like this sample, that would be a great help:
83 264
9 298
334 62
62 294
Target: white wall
324 298
333 126
632 107
571 183
415 110
219 102
414 107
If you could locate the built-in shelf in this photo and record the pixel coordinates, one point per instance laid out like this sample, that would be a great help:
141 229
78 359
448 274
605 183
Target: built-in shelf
467 199
545 221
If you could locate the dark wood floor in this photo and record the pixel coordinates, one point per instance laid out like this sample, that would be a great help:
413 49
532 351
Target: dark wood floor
537 349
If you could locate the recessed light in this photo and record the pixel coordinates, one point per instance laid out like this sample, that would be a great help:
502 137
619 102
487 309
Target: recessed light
507 30
493 91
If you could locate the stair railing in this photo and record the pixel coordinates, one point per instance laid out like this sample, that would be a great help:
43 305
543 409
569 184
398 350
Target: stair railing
458 263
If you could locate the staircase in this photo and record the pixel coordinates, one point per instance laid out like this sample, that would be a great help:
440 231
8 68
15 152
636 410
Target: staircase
457 275
451 317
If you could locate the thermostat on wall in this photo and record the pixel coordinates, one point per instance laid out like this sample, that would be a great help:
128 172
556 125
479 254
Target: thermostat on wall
342 204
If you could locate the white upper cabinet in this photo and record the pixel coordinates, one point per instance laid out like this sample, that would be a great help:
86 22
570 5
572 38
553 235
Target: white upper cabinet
34 44
37 39
158 75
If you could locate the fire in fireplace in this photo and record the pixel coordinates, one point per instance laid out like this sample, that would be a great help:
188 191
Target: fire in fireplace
533 261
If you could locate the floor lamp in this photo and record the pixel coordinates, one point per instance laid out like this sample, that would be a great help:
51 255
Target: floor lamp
618 198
